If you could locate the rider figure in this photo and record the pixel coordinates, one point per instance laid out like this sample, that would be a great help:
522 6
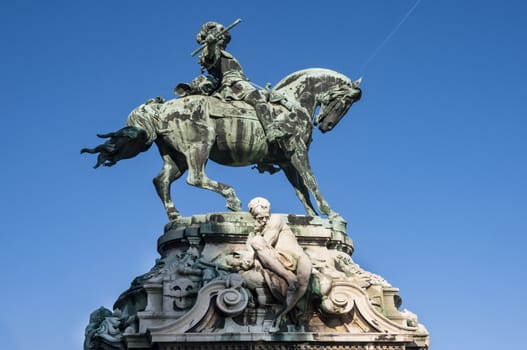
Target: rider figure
234 85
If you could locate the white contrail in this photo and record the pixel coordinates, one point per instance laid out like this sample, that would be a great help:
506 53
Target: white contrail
388 37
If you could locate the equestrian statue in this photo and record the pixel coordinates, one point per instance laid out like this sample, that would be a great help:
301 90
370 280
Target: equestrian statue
221 116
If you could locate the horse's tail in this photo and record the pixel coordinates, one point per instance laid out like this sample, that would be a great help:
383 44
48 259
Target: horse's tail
122 144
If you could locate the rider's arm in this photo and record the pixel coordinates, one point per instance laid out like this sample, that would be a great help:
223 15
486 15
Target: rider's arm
210 54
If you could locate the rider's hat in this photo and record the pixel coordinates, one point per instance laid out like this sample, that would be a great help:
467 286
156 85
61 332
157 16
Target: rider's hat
213 28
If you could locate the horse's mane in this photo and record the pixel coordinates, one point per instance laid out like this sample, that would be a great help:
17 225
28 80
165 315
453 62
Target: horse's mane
310 72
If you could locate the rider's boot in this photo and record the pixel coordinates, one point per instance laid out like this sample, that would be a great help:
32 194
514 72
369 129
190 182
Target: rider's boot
273 133
271 129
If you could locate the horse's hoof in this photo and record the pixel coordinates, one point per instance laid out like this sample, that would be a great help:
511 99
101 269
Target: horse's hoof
234 205
336 218
173 215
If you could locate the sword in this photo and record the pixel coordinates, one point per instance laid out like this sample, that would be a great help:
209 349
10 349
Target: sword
226 29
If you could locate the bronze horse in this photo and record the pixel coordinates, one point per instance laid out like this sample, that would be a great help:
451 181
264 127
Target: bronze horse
190 130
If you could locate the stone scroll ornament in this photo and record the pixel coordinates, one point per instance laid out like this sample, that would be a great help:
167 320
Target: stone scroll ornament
222 117
258 275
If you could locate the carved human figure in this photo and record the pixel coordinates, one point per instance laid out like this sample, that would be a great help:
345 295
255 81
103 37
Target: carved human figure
108 326
278 251
233 84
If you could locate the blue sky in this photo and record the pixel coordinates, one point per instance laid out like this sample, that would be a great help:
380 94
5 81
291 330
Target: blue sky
429 168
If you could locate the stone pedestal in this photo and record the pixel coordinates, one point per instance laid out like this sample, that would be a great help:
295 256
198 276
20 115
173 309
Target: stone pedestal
207 292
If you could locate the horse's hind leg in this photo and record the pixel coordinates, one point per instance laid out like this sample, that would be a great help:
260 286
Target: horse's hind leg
197 157
171 172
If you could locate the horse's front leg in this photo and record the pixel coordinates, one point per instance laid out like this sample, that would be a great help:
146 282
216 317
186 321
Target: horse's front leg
170 172
300 161
300 188
197 157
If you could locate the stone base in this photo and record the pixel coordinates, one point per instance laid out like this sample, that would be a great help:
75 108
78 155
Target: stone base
280 345
207 291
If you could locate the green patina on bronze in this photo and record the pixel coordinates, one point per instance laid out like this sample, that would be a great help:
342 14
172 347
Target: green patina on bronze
188 135
223 117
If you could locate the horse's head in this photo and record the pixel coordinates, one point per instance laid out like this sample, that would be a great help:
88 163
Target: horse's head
334 104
